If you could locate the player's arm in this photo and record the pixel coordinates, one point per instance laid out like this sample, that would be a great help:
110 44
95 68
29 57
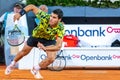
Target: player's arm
52 47
32 8
55 47
28 8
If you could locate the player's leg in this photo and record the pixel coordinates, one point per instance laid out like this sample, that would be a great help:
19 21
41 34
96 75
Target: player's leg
50 58
51 55
26 49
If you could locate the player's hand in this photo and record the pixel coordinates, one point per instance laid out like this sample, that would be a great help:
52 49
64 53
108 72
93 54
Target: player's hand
41 46
17 16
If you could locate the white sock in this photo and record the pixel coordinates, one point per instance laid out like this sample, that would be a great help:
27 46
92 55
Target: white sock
37 67
13 63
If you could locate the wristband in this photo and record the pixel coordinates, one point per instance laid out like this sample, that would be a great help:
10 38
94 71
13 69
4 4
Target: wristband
22 12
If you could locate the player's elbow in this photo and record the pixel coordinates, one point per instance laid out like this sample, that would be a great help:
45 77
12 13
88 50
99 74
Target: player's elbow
31 5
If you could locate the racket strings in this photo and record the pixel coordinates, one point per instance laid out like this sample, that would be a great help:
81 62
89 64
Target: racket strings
15 38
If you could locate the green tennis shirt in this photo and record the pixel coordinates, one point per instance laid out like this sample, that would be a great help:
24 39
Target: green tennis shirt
43 30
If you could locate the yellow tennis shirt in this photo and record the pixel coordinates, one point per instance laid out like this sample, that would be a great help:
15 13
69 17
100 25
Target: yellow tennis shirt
43 30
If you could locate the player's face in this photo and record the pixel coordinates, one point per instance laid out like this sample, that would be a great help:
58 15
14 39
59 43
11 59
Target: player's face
54 19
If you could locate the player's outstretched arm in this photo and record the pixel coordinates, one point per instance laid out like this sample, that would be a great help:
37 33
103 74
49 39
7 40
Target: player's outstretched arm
28 8
31 7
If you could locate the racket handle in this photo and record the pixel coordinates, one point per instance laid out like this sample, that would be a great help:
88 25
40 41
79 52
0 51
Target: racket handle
16 21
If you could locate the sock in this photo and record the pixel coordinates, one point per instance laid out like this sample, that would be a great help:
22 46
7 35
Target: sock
13 63
37 67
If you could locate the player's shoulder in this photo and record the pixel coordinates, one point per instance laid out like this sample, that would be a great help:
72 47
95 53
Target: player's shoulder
61 25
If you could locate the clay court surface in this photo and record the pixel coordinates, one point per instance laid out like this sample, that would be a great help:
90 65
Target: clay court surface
80 74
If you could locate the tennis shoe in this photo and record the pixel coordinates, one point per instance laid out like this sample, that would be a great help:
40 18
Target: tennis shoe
36 74
9 69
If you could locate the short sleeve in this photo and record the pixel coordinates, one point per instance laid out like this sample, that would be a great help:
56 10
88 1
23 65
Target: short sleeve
61 31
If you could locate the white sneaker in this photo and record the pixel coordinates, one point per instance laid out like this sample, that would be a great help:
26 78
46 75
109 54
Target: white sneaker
9 69
36 74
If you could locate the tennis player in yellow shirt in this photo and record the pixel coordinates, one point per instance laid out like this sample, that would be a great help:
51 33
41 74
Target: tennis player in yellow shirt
43 37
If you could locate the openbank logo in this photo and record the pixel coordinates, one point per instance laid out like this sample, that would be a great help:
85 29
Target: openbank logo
88 57
96 57
89 32
113 30
67 57
99 57
99 32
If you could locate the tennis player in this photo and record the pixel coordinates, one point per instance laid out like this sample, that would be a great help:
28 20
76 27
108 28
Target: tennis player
43 37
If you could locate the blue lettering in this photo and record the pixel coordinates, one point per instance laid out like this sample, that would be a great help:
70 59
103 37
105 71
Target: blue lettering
102 32
95 32
67 32
89 33
68 57
80 31
97 57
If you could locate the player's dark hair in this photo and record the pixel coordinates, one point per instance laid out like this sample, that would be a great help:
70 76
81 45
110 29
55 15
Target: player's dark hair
59 12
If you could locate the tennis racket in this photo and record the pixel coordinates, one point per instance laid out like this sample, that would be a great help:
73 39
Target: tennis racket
16 36
59 63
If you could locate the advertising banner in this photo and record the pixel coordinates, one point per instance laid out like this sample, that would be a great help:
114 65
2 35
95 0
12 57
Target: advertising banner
92 57
77 57
94 35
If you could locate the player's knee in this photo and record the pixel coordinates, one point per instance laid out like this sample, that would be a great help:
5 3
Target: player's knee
51 59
